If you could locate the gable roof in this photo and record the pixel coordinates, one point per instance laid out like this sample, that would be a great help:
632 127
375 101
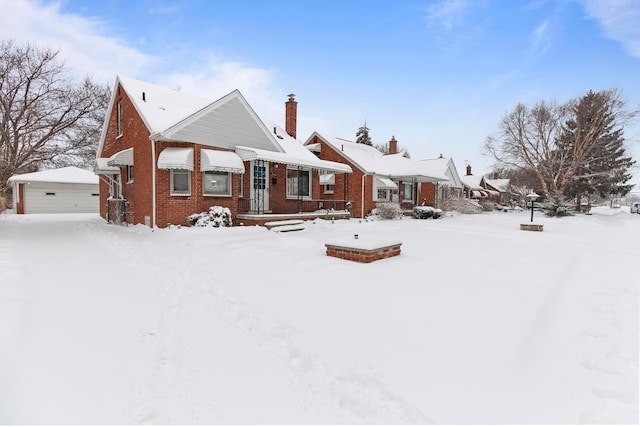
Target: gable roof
371 161
472 182
68 175
171 115
501 185
443 166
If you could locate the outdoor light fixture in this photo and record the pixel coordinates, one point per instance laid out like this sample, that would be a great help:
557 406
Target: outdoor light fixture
532 197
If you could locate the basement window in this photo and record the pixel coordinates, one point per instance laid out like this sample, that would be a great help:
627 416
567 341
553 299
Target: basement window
50 194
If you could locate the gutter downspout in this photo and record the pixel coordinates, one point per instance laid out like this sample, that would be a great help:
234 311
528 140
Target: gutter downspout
362 191
153 184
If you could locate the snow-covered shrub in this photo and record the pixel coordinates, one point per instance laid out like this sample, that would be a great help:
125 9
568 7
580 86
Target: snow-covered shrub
487 206
387 210
558 208
217 216
425 212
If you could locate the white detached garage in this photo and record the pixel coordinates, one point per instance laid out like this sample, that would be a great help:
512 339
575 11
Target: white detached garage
64 190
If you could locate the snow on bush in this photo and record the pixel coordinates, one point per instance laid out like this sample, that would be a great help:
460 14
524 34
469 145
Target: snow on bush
425 212
217 216
387 210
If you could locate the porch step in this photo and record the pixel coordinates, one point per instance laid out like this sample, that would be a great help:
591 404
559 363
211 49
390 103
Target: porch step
286 225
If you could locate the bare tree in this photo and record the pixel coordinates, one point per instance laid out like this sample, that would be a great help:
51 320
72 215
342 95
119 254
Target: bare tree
46 118
530 138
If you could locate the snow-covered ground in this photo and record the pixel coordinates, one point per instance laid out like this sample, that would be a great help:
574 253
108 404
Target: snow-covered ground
475 322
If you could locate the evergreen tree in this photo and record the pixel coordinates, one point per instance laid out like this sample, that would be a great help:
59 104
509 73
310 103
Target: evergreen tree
362 135
605 170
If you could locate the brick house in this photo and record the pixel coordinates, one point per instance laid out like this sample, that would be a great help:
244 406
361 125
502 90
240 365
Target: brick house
164 155
376 177
446 194
499 189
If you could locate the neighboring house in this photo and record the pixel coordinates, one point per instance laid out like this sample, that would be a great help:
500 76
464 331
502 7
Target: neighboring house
499 190
376 177
472 186
445 194
164 155
64 190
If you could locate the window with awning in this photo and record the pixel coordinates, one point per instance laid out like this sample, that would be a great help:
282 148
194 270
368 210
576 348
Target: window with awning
386 183
121 158
176 158
328 179
220 161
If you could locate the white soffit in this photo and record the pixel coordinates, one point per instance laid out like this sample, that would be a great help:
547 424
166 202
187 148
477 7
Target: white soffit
176 158
223 161
121 158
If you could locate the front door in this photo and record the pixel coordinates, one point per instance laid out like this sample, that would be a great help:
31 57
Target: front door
259 186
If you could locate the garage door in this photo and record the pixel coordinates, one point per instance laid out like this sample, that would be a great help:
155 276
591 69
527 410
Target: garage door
41 197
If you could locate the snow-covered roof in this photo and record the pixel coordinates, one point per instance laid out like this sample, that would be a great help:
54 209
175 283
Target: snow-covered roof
161 107
372 161
472 182
68 175
171 115
443 166
294 149
501 185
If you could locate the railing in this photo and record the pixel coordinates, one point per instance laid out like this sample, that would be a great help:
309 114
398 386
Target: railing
298 206
117 211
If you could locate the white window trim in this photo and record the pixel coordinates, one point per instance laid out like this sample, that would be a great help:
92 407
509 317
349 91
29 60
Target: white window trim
188 193
386 198
229 194
329 191
295 197
120 119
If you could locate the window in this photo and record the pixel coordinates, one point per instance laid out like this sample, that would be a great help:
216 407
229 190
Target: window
120 120
328 189
259 177
298 183
115 191
180 182
407 193
383 194
130 173
240 179
216 183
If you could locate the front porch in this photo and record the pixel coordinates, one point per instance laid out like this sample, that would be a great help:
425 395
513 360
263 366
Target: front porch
250 211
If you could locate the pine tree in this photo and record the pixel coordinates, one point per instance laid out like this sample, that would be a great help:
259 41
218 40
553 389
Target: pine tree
362 135
605 170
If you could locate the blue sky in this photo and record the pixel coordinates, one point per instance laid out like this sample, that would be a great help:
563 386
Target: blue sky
437 75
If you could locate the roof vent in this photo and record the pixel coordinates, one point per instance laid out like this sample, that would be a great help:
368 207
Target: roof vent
144 97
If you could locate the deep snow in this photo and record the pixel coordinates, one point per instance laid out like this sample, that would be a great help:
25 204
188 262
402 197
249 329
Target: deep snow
475 322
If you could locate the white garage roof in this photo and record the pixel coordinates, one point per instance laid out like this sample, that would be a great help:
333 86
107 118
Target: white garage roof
69 175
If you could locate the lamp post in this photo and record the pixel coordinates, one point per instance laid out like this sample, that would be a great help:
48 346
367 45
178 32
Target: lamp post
532 197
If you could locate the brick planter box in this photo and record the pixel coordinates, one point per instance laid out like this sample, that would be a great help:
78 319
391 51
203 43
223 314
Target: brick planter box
532 227
363 249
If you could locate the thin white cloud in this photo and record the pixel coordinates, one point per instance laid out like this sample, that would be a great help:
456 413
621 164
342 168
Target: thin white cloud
447 13
542 38
619 21
82 41
88 48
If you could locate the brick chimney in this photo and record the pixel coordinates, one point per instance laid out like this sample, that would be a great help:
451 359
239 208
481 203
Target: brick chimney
291 115
393 145
469 170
